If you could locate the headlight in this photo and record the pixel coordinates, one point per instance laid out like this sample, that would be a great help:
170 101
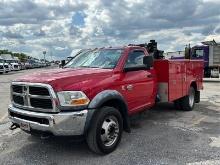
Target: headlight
72 98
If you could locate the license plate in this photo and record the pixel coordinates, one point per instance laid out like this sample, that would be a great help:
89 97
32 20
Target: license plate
25 126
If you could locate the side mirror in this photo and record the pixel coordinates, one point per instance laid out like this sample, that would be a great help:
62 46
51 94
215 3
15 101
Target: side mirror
148 61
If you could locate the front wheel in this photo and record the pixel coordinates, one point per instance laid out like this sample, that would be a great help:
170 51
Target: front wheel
105 132
188 102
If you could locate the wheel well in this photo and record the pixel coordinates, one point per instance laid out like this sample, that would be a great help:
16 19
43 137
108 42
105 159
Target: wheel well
122 108
194 85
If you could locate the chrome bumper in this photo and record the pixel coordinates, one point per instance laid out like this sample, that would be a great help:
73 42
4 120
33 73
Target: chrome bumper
60 124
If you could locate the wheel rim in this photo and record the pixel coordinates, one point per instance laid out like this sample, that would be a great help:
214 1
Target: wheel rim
191 97
109 131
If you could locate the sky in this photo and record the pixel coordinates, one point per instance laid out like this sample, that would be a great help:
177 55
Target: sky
60 26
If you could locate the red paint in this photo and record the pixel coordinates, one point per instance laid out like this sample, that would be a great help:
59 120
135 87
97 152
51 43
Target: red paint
92 80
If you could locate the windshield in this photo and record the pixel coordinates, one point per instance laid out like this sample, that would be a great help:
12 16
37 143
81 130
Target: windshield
101 58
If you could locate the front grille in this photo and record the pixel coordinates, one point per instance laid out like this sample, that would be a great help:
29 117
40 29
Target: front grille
41 103
17 88
18 99
16 66
38 91
6 66
33 97
1 67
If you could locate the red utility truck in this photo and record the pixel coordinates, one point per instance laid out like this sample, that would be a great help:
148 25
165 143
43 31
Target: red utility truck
96 92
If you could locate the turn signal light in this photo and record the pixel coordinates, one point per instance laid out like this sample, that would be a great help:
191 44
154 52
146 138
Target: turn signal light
81 101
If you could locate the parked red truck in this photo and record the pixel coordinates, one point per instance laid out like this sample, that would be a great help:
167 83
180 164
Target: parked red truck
97 91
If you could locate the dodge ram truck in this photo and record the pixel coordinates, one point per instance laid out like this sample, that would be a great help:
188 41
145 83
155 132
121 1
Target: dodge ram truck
97 92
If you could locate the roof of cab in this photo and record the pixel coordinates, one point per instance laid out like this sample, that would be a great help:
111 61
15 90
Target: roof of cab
119 47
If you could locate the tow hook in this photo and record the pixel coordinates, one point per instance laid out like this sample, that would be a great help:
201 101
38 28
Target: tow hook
13 126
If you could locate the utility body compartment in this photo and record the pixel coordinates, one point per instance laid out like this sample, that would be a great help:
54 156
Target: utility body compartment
176 76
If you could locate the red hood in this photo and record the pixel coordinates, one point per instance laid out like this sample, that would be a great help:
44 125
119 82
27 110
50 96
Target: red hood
68 79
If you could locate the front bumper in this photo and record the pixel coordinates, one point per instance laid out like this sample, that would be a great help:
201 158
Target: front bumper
7 70
60 124
15 68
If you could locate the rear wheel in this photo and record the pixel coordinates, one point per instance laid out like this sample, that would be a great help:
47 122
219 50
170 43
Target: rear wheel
188 102
105 134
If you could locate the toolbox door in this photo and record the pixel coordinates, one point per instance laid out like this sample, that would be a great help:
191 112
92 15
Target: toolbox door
175 80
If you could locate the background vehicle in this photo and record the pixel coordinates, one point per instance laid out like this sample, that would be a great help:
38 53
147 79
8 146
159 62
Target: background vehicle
175 55
22 65
209 51
33 63
13 63
6 65
2 67
98 91
28 65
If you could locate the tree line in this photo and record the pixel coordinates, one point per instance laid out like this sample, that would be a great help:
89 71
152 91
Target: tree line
21 56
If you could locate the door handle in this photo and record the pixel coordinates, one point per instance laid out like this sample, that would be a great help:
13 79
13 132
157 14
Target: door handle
149 76
130 87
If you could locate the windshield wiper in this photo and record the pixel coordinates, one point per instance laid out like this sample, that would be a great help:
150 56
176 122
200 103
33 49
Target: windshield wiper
88 67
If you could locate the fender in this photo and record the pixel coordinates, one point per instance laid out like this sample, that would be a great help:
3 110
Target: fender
102 98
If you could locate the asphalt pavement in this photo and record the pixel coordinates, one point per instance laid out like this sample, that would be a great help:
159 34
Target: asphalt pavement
162 135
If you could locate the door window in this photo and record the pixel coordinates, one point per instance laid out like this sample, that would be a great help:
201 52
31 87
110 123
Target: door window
135 59
199 53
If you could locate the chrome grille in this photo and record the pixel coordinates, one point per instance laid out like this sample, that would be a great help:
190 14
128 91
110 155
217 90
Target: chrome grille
33 96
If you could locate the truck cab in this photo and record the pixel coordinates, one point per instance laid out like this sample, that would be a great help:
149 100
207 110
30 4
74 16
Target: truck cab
209 52
4 65
11 63
14 65
97 92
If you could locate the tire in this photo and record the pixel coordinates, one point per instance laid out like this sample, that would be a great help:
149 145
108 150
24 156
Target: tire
177 104
107 124
188 102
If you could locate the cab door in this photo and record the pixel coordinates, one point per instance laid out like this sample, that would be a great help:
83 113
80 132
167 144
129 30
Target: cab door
138 85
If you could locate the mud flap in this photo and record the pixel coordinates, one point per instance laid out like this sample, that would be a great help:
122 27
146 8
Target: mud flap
197 97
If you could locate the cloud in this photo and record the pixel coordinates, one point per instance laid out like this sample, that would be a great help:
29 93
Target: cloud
12 35
40 33
62 26
34 12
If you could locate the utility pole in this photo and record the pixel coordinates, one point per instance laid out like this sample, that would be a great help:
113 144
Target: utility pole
44 53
